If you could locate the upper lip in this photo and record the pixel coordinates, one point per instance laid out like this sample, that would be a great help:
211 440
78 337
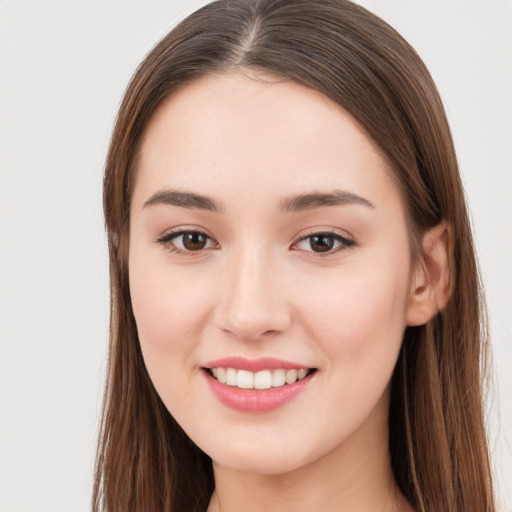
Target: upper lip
254 365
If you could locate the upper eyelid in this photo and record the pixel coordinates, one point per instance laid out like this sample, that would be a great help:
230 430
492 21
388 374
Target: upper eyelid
327 231
171 233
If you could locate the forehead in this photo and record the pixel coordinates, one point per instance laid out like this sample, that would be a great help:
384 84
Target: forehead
249 135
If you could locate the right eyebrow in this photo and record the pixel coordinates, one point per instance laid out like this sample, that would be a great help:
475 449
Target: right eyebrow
185 200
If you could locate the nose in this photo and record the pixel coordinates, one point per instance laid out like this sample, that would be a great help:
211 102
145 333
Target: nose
254 305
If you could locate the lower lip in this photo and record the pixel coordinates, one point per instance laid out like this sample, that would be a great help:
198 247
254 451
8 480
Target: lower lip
256 400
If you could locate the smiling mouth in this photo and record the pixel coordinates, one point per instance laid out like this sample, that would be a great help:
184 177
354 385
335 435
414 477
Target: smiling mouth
265 379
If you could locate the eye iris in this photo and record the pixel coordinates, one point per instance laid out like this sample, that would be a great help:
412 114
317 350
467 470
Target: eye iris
321 243
194 241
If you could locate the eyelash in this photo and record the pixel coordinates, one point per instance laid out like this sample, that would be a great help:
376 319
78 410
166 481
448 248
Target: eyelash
166 238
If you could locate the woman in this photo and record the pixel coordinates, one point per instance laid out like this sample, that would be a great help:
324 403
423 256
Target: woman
296 313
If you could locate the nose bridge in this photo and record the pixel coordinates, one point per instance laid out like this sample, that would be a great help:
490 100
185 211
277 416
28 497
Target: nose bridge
255 301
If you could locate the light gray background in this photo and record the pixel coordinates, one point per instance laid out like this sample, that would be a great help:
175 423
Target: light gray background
63 68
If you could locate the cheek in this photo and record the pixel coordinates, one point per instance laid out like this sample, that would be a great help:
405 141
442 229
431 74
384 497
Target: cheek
169 309
363 320
169 316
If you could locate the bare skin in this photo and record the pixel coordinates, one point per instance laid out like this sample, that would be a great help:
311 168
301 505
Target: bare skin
329 286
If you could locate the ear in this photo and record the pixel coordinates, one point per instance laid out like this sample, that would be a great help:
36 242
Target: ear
432 281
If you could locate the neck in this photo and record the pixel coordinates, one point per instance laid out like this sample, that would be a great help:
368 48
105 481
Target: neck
354 477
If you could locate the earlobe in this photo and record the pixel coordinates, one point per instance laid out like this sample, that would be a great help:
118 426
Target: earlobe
432 282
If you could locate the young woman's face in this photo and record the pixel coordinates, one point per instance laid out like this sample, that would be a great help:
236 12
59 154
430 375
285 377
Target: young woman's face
268 244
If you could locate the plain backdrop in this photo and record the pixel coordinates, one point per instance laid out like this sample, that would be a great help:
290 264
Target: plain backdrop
63 68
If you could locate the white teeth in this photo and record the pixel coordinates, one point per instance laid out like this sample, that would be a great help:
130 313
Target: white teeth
221 374
291 376
278 378
231 379
264 379
245 379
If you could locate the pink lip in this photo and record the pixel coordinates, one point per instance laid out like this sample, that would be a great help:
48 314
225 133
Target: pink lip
256 401
254 365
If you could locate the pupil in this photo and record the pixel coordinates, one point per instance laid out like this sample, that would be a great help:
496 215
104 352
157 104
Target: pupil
322 243
194 241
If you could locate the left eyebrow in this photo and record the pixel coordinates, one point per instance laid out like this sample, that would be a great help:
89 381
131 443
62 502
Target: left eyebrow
303 202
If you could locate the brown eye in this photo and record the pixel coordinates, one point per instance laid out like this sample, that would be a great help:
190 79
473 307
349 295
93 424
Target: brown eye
324 243
321 243
194 241
186 241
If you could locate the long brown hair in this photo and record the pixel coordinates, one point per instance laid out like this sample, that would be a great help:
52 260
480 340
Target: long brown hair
438 447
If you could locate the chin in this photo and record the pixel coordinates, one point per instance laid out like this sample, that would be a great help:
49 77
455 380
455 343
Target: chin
263 456
259 463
